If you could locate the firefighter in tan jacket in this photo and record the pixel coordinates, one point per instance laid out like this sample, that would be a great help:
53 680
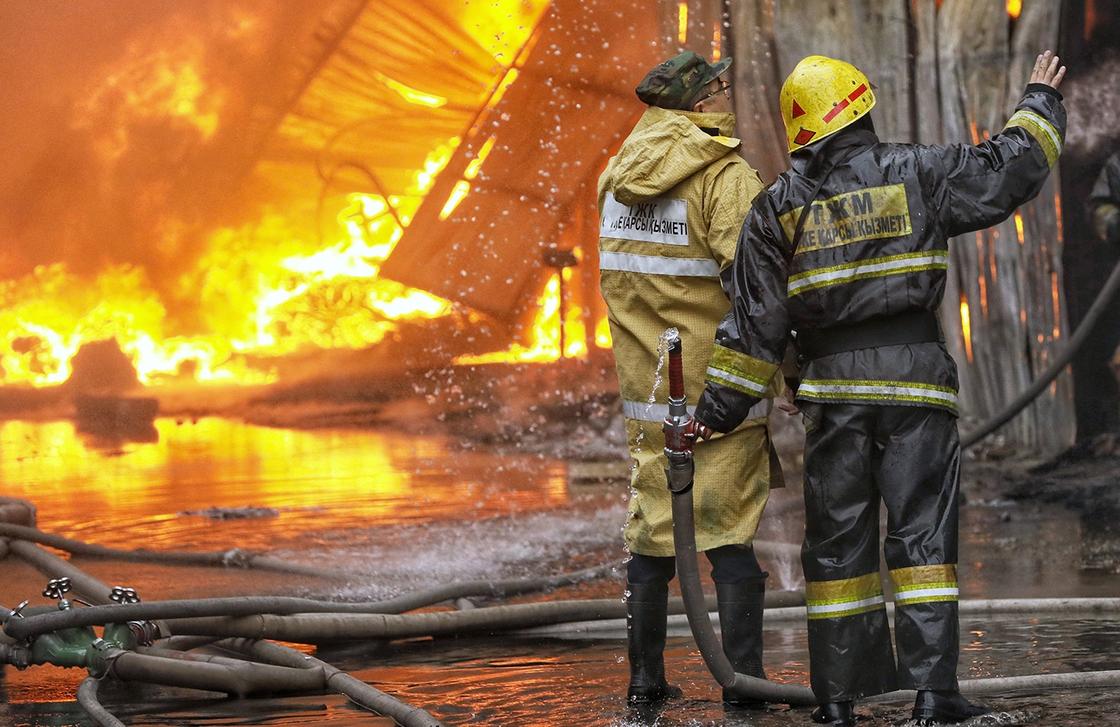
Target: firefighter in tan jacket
671 205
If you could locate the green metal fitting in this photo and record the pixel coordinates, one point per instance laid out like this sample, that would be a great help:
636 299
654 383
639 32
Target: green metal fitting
81 647
65 647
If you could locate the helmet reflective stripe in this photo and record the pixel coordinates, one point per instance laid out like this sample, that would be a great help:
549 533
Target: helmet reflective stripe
821 96
656 265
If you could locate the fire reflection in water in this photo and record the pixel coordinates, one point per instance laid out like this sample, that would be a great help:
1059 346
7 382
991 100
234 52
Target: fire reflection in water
317 481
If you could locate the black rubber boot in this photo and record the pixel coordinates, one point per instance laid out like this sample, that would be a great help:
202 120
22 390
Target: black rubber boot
647 605
740 626
834 714
947 707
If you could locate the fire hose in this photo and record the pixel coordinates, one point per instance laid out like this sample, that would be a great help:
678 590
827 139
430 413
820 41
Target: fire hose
161 666
87 698
679 474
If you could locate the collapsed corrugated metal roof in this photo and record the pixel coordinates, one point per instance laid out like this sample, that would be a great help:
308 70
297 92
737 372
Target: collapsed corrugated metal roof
544 144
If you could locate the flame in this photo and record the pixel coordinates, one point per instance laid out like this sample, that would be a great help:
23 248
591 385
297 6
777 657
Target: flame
151 85
1091 19
463 187
458 193
433 165
1014 8
603 333
717 44
267 288
1019 227
1056 306
254 305
682 22
1058 215
966 328
544 334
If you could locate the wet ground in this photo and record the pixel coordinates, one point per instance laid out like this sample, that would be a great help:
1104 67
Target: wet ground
404 512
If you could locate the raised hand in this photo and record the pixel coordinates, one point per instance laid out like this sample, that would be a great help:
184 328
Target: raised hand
1048 70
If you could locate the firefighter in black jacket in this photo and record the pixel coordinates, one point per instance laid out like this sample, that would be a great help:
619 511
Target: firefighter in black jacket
849 250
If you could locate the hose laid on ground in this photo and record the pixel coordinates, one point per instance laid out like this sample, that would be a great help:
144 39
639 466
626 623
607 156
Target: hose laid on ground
240 558
256 616
760 689
496 589
87 698
235 557
1001 685
337 680
242 679
52 566
1084 329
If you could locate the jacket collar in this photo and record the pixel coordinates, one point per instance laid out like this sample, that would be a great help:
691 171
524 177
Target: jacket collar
831 151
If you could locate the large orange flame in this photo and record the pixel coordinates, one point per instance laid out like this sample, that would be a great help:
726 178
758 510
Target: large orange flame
269 288
260 296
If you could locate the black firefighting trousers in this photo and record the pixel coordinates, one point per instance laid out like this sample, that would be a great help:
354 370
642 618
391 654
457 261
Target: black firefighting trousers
910 458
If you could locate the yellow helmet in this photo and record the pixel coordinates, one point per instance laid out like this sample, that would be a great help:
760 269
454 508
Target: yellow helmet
821 96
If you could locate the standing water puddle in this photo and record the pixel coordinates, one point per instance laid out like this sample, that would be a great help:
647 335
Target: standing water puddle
405 512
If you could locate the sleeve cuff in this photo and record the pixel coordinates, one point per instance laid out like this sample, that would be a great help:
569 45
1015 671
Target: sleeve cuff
719 408
1043 88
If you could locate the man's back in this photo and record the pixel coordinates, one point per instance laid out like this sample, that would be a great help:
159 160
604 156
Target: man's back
874 247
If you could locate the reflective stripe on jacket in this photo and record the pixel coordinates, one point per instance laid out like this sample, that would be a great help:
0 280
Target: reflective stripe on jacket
874 244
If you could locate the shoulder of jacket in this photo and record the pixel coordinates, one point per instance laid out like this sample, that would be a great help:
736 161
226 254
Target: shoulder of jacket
731 164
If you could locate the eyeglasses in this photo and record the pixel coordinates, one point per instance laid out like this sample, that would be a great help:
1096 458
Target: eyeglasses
724 87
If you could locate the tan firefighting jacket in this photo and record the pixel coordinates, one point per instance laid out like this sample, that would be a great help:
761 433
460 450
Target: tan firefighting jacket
671 204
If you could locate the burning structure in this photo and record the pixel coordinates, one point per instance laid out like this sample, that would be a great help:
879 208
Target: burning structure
244 193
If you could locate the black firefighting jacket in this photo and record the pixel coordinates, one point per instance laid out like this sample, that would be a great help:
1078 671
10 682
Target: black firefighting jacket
874 245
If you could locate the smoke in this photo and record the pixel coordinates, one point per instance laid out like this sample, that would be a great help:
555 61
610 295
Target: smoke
1094 107
128 124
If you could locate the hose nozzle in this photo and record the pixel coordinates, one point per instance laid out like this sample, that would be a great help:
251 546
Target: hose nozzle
677 427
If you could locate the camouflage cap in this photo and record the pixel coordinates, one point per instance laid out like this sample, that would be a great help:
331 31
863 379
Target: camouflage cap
678 82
